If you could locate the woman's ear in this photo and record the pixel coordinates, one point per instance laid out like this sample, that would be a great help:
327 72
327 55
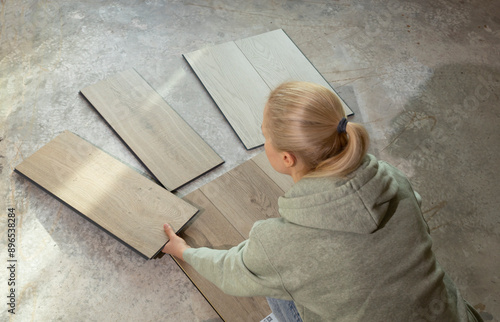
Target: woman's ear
289 159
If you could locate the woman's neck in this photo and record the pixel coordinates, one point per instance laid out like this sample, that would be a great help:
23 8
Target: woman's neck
298 172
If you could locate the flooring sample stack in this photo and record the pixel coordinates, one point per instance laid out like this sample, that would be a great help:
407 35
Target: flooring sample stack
239 76
166 145
107 192
229 206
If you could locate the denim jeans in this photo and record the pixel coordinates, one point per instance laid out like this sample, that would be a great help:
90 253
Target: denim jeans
284 311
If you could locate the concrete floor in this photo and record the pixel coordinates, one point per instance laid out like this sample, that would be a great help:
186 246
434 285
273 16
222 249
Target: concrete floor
423 77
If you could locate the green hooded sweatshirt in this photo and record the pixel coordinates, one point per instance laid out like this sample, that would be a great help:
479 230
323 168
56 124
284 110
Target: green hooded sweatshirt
353 249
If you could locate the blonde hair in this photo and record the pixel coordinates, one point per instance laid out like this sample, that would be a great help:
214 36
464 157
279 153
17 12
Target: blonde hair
303 119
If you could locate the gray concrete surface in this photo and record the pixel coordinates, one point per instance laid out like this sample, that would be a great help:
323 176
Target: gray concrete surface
423 77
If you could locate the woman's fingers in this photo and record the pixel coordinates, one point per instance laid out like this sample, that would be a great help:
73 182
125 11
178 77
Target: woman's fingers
169 231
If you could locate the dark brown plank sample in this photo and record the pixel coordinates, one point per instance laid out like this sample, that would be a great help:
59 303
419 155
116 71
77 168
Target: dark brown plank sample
173 152
124 203
277 59
244 195
229 207
235 86
211 229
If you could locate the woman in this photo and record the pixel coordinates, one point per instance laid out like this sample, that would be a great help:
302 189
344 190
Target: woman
351 243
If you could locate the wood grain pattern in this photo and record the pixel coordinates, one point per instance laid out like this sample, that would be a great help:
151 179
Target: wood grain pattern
283 181
237 89
277 59
230 205
107 192
212 229
173 152
244 195
239 75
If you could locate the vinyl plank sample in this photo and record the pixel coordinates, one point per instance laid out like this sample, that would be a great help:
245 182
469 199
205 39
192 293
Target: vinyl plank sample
244 195
239 76
230 205
107 192
212 229
283 181
166 145
235 86
277 59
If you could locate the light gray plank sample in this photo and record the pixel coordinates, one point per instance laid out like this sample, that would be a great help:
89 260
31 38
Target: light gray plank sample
124 203
173 152
277 59
240 75
235 86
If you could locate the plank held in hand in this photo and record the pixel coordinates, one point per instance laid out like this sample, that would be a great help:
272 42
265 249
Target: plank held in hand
107 192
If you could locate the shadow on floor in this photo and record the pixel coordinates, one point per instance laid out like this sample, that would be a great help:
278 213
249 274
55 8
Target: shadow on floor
447 139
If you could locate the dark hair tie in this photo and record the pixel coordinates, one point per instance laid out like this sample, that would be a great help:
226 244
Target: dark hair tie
342 125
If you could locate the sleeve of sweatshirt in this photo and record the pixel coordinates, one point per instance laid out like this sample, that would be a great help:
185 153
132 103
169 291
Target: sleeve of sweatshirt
243 270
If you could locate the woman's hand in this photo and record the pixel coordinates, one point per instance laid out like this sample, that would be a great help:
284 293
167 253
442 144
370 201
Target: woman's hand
176 245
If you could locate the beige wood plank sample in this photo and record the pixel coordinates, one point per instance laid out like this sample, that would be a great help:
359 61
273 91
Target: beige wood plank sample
212 229
124 203
283 181
237 89
277 59
244 195
173 152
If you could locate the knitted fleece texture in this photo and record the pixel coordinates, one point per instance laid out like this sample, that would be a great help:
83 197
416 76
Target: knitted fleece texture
354 249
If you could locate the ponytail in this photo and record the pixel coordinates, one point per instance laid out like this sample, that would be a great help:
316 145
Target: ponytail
303 119
349 158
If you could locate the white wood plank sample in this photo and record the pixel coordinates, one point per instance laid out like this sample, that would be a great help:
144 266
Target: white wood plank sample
124 203
173 152
240 75
235 86
277 59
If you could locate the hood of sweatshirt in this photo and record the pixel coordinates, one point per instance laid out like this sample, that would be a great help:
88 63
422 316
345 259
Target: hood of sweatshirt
356 204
